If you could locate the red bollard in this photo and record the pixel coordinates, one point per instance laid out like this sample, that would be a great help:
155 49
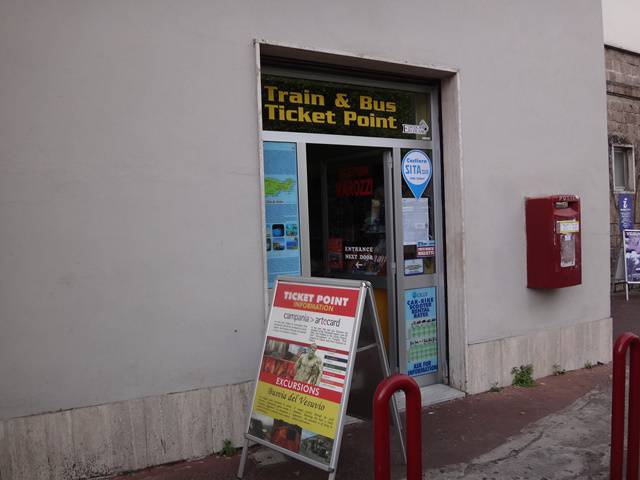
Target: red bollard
625 342
385 389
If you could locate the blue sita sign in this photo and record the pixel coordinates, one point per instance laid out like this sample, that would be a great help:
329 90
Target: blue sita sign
416 171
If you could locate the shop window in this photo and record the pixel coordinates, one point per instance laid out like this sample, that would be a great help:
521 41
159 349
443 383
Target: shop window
418 224
281 210
623 165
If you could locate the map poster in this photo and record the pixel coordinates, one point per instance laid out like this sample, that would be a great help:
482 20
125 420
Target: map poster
304 368
632 255
421 331
281 210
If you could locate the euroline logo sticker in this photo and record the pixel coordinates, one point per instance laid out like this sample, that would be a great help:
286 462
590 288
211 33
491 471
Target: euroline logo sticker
417 171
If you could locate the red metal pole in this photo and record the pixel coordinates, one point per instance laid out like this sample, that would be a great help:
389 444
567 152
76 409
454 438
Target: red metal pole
382 467
617 406
386 388
633 423
618 403
414 430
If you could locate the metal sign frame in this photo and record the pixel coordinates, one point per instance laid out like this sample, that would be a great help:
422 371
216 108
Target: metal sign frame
624 260
365 298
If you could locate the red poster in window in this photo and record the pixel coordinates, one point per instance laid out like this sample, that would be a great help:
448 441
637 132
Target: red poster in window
335 256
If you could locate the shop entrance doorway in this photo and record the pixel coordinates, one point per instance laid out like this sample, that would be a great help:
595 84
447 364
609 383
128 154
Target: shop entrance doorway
349 235
353 190
366 222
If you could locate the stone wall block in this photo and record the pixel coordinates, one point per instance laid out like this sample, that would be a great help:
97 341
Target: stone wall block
567 355
603 351
5 463
616 76
154 430
584 348
608 62
127 440
92 442
240 410
221 421
27 453
60 448
606 348
516 351
618 117
178 426
492 372
614 61
139 427
633 60
162 428
195 435
546 352
171 409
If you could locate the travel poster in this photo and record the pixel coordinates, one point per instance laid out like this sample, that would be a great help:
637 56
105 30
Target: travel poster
421 331
281 210
303 370
632 255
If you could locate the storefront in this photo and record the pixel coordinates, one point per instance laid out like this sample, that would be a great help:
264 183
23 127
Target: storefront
163 162
353 190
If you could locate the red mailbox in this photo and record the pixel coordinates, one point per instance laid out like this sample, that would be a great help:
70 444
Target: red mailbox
553 241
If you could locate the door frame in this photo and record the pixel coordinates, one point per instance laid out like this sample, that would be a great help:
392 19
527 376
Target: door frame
395 145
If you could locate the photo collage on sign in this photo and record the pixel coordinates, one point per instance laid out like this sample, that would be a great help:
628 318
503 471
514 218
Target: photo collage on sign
308 364
282 236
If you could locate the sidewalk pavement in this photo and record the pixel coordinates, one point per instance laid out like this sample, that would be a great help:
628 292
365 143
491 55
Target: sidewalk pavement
556 430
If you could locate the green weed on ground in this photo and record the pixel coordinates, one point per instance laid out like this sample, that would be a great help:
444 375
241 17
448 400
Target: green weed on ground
523 376
228 450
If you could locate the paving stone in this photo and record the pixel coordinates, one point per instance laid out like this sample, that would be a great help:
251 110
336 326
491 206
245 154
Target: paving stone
266 457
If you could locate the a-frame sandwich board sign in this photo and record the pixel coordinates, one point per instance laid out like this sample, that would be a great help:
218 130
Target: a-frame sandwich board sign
322 358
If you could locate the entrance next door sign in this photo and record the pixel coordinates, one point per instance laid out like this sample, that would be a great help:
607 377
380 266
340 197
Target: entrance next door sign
417 171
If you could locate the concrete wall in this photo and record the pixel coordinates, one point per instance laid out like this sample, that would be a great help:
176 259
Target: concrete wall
524 127
130 236
129 202
620 20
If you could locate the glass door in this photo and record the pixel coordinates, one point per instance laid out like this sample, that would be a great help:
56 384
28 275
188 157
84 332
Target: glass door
419 256
351 220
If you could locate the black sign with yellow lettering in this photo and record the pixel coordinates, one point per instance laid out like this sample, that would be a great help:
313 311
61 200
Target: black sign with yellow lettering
300 105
